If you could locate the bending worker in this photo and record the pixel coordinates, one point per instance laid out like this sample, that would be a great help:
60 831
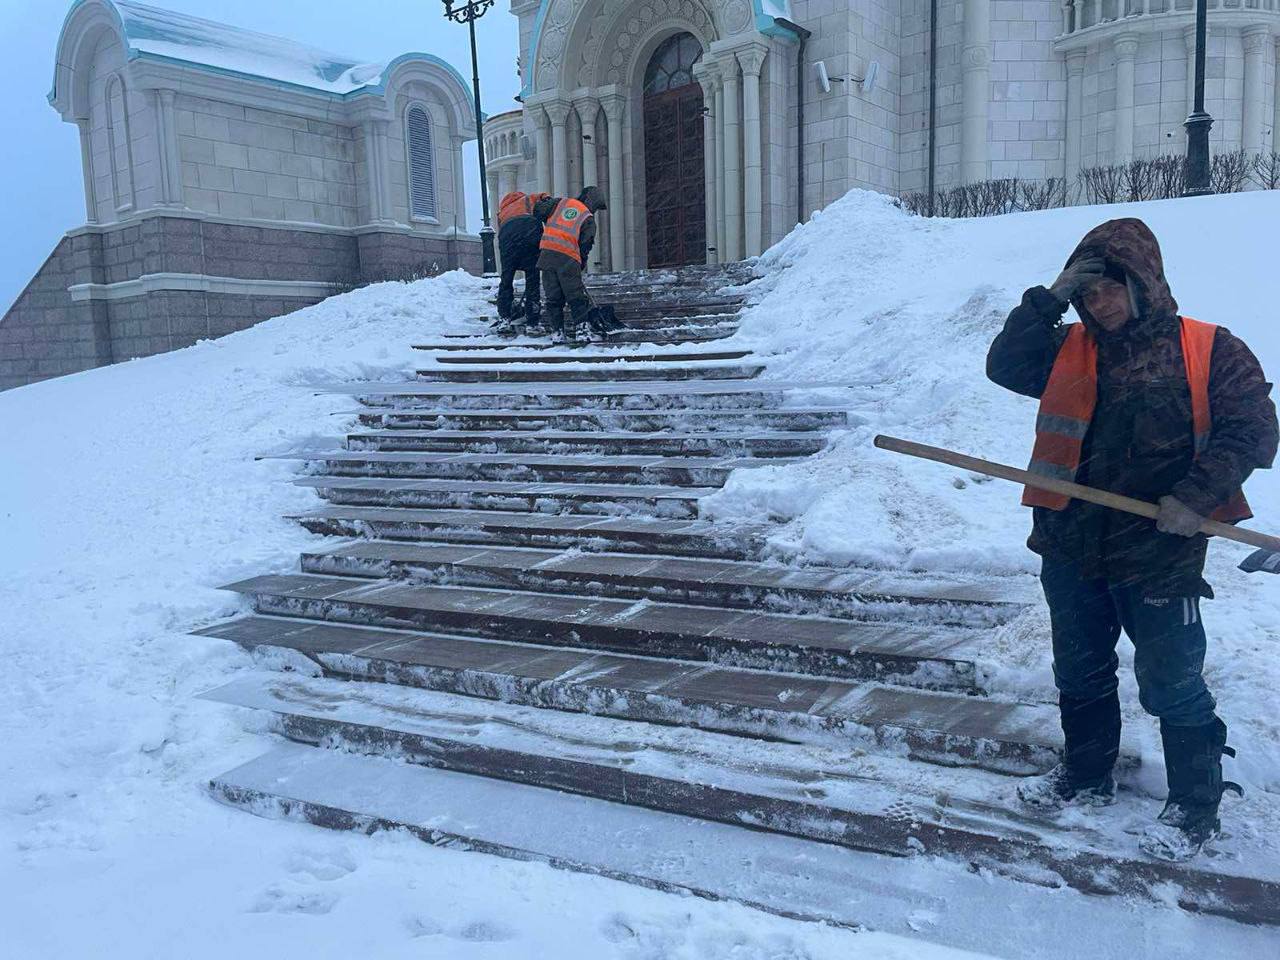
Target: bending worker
1143 402
567 239
520 220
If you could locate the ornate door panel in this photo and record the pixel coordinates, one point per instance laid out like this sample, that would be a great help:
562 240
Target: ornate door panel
675 207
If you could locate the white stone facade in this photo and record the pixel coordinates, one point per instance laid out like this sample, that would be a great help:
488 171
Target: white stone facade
1021 88
173 127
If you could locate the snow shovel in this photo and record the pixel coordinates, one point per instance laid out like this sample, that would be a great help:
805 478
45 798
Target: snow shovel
1266 558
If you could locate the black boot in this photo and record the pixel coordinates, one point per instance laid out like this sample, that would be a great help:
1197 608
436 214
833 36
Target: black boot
1193 763
1091 743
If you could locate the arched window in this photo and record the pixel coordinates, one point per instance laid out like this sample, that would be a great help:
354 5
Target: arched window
118 144
671 66
422 165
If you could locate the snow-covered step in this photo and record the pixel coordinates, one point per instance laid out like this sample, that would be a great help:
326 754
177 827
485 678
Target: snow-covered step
700 581
584 355
930 656
779 874
953 729
535 418
539 467
637 534
589 373
639 395
760 443
863 801
622 499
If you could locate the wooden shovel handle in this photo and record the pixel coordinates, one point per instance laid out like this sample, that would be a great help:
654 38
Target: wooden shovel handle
1115 501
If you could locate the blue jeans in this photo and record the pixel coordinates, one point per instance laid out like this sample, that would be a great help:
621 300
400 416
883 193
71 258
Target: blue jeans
1168 659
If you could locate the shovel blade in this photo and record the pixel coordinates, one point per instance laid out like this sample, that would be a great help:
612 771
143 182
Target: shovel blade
1266 561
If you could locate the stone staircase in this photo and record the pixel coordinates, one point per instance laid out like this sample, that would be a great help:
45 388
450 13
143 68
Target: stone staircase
526 613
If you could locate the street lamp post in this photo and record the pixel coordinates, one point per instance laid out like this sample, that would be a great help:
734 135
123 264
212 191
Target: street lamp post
469 13
1199 123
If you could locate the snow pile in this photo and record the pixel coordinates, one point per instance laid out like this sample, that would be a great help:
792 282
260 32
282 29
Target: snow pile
905 308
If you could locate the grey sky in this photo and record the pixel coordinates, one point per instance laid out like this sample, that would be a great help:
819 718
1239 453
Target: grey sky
40 155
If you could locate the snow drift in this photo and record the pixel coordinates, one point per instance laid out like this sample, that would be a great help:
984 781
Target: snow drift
904 308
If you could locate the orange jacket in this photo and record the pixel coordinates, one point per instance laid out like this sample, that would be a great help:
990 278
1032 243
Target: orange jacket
1068 401
563 231
517 204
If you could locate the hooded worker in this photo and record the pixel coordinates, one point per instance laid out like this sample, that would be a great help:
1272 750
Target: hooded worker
567 239
1140 401
520 219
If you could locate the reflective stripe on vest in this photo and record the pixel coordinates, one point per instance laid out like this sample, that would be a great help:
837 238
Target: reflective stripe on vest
564 227
1067 405
517 204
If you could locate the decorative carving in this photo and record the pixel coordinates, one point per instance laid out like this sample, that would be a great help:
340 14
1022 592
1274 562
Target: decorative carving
736 16
1126 46
751 60
976 57
1256 39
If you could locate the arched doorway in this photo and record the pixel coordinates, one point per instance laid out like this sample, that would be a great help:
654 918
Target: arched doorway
675 202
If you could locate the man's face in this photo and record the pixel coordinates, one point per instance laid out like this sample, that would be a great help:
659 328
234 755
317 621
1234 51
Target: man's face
1108 303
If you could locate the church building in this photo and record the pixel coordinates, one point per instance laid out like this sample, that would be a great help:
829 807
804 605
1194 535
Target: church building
716 124
230 177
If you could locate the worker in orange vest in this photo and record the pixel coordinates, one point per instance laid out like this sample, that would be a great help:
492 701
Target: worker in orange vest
1141 401
520 220
567 239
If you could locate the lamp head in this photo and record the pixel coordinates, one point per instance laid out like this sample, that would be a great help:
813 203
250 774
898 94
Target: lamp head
465 11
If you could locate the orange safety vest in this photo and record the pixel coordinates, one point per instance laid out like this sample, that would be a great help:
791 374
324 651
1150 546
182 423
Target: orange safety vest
517 204
564 227
1066 410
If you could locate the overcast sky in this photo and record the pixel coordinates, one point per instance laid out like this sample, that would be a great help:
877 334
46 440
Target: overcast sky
44 196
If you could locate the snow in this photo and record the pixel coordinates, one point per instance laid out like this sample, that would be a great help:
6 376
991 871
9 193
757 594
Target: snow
906 307
178 36
129 493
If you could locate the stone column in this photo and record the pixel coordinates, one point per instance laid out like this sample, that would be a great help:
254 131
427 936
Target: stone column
508 178
559 114
1126 47
543 123
588 111
494 188
1075 111
705 74
721 234
752 60
732 162
169 162
86 166
460 190
615 109
1275 119
1257 41
976 90
573 137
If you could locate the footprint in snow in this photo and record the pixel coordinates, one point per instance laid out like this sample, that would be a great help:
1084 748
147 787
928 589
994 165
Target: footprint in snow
483 931
329 865
276 899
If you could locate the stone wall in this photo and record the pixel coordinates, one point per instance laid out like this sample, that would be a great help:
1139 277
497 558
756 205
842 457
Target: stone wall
245 162
135 306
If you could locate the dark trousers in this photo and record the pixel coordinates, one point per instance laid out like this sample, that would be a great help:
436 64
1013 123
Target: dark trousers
564 286
532 290
1168 659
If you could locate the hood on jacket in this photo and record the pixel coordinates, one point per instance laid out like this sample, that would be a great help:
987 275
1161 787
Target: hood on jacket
593 198
1130 250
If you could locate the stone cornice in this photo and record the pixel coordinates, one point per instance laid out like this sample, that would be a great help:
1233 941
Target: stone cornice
1223 20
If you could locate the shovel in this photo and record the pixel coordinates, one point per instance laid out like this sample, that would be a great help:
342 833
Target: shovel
1266 558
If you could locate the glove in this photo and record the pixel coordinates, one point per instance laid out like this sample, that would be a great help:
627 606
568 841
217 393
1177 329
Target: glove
1076 277
1177 518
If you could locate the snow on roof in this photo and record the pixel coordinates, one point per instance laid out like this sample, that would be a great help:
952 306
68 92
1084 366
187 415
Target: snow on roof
163 34
177 36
